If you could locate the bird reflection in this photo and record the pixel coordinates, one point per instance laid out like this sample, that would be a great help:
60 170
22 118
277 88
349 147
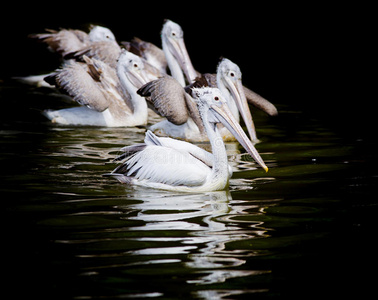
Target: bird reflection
207 223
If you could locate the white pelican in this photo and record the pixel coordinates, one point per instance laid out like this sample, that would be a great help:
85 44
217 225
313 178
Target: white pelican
172 39
229 81
180 64
65 41
68 41
169 164
172 101
108 95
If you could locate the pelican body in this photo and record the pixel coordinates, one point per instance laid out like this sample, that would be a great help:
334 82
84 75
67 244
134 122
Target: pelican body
108 96
169 164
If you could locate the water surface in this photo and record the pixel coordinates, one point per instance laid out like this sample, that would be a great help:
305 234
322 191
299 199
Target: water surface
304 228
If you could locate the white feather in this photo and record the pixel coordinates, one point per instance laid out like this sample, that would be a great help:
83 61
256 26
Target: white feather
179 166
197 152
81 115
37 80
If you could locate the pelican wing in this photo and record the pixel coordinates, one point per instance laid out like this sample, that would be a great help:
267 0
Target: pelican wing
78 81
166 165
106 51
150 52
197 152
153 140
164 160
109 84
129 151
260 102
63 41
168 99
253 98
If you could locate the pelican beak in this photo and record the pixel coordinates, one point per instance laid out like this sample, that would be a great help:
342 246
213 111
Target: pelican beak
224 115
137 77
238 94
178 49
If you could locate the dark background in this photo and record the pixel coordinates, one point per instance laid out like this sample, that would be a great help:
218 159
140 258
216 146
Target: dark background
320 59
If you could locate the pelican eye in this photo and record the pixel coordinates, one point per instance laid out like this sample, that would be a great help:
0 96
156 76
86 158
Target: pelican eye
216 98
135 65
232 74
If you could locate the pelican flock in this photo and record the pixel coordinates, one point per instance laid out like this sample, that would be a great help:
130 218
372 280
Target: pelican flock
116 84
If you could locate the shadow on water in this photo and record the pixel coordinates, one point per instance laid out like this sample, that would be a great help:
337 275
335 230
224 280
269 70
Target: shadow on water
72 233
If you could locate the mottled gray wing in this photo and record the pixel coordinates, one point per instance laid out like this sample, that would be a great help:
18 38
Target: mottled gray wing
154 65
260 102
78 81
153 54
150 52
63 41
106 51
168 98
108 83
252 97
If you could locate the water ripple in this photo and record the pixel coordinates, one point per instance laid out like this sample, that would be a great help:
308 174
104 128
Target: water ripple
99 238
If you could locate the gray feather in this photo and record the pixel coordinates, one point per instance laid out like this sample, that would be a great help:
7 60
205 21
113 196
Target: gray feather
75 79
260 102
168 98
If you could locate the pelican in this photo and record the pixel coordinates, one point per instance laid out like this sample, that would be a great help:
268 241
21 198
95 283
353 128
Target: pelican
172 101
180 63
172 39
169 164
108 96
66 42
229 81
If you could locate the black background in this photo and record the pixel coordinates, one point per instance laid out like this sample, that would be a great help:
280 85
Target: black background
320 59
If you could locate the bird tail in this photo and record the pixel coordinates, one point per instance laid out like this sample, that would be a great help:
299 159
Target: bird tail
120 177
151 139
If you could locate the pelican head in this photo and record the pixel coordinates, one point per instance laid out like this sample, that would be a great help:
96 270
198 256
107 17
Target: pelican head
213 109
132 66
172 30
229 76
172 37
100 34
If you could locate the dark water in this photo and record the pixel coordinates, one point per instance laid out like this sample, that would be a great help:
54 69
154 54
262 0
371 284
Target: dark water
305 228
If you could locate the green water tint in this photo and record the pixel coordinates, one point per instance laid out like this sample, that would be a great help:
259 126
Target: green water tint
74 233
